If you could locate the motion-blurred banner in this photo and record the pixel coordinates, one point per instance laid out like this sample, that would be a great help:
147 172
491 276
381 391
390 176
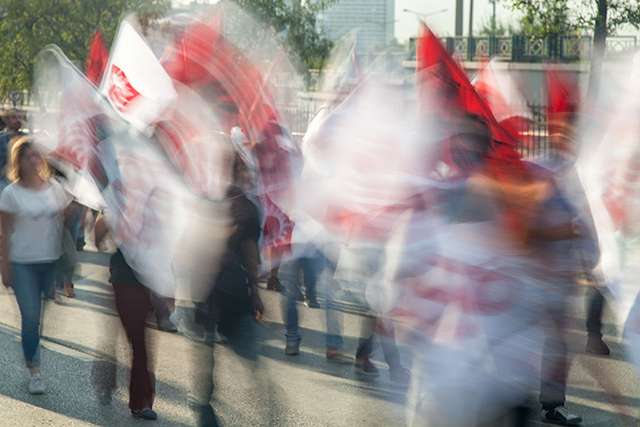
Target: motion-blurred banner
135 83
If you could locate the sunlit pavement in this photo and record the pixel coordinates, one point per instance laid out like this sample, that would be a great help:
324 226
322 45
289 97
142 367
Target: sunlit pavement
307 391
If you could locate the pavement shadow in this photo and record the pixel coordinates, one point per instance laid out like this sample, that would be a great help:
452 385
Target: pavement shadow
315 361
592 417
96 258
71 393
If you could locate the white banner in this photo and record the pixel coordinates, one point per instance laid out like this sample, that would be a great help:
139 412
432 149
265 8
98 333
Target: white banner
135 83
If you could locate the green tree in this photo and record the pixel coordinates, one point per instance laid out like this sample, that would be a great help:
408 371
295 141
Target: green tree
598 17
27 26
561 17
546 18
295 22
501 29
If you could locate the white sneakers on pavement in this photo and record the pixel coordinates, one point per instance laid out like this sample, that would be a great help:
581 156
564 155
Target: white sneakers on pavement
36 385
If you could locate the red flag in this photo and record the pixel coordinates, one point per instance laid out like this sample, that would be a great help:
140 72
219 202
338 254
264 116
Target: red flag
203 58
97 60
442 81
501 94
206 61
189 59
562 91
563 100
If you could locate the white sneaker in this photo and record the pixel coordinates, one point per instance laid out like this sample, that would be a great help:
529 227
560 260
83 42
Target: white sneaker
36 385
560 415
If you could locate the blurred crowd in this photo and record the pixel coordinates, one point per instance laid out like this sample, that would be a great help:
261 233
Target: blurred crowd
173 145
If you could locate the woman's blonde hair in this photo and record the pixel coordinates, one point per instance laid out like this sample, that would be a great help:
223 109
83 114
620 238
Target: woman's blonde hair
19 146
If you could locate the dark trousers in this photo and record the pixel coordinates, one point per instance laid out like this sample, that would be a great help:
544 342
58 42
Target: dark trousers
234 320
311 270
555 357
594 310
133 304
371 327
387 342
162 306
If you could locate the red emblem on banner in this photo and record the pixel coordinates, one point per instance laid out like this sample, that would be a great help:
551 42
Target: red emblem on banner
121 92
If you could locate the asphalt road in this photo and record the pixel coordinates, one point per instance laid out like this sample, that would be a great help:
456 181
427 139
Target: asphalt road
305 391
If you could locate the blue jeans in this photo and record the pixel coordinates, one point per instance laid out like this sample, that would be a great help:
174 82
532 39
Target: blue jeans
30 281
74 228
311 268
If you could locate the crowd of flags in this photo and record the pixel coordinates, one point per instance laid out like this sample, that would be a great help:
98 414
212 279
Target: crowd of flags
152 140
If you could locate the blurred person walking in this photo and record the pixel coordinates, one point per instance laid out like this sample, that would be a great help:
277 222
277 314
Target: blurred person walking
13 121
311 265
133 302
375 325
564 242
33 213
232 305
65 266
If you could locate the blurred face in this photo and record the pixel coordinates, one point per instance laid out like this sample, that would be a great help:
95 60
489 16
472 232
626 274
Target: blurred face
31 163
13 119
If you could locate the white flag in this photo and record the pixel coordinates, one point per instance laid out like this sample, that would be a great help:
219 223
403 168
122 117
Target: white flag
134 82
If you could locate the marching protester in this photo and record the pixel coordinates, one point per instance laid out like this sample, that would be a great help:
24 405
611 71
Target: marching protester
133 303
233 303
312 266
473 252
34 210
374 325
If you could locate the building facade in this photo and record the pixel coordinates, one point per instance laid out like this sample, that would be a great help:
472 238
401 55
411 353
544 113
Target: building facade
374 20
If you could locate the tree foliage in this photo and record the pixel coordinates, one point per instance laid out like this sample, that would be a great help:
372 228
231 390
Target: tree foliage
547 18
27 26
501 28
295 22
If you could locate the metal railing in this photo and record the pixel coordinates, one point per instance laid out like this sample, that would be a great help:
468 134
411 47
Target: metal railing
297 119
534 139
528 49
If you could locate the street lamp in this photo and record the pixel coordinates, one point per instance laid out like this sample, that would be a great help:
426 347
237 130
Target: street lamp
424 15
382 24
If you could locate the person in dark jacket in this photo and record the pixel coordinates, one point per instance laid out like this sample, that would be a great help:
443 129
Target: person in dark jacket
233 303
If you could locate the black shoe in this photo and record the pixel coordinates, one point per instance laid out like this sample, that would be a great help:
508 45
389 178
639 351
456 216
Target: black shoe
205 417
560 415
80 244
165 325
273 284
292 348
312 303
145 414
298 295
595 345
364 366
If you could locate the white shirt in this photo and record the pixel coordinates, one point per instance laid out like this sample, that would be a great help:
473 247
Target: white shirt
38 221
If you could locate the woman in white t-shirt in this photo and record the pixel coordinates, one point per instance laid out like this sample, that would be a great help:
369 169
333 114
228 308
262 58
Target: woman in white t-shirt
33 210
